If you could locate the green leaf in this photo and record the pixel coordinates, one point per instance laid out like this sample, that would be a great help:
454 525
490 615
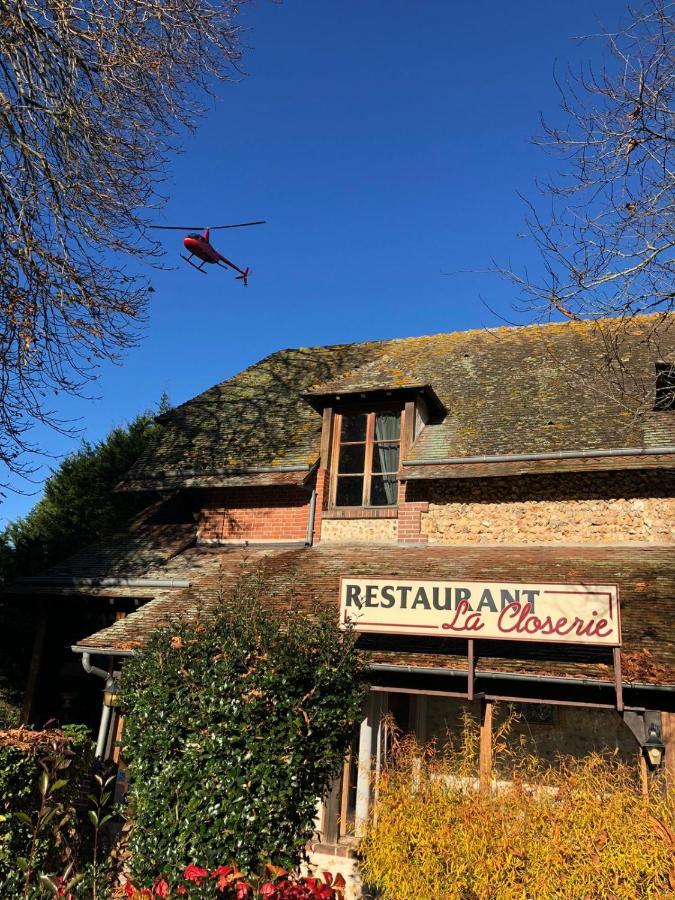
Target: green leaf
46 881
22 863
76 880
62 782
24 817
43 783
93 818
46 819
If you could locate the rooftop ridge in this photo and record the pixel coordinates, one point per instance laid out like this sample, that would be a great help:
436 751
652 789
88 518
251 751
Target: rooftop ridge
488 329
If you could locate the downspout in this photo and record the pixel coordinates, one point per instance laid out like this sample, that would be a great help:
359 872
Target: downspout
312 514
106 711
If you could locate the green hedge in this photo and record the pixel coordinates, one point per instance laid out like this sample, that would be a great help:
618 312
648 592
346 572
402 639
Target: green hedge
234 728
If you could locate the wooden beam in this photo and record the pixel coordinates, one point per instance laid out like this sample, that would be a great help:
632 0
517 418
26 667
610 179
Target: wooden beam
344 799
616 655
326 435
471 670
34 667
408 432
485 757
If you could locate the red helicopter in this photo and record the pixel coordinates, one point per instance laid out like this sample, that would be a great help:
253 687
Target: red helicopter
200 246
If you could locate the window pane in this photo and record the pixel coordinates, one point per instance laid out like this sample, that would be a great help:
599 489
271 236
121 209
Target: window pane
352 458
349 490
387 426
354 427
385 458
383 490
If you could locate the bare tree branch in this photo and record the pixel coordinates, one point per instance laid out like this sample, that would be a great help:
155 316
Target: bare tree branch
93 96
606 242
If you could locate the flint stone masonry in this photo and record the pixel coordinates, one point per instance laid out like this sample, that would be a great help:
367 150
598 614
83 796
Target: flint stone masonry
350 531
594 508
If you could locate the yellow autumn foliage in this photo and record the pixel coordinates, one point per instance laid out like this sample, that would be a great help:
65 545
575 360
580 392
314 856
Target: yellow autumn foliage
578 829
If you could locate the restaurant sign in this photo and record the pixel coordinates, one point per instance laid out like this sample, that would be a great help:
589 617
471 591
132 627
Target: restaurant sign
507 611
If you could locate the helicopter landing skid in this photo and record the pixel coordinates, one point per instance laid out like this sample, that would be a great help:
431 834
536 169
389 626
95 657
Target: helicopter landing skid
189 261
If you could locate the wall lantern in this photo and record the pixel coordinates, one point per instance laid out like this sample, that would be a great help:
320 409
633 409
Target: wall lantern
110 692
654 748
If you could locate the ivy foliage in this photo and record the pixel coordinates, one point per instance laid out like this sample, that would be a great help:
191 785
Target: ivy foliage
235 726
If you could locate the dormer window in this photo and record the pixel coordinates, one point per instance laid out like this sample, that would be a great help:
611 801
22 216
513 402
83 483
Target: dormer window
366 454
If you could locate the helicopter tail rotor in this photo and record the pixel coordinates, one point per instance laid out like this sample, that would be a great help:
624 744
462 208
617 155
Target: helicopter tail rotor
244 276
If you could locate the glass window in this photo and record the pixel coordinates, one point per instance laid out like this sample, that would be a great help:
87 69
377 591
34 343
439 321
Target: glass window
368 459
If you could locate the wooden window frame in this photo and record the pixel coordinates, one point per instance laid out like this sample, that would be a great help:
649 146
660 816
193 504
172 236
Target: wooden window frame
370 410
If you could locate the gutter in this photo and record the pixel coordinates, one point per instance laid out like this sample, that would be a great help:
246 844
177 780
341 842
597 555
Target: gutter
96 651
504 676
243 470
104 582
310 522
531 457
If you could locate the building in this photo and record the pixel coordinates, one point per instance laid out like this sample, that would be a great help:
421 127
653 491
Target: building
492 476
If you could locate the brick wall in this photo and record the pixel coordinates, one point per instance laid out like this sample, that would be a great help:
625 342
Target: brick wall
411 507
599 507
275 513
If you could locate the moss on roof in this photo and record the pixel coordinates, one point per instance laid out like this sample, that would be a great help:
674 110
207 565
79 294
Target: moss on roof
507 390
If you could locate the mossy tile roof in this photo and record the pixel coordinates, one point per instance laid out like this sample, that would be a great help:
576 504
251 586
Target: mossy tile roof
533 389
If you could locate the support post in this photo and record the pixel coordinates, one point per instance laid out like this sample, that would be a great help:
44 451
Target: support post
471 670
644 775
365 755
668 738
616 656
420 718
485 757
331 814
34 668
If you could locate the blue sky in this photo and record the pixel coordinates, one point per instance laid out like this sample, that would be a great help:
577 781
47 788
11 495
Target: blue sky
385 143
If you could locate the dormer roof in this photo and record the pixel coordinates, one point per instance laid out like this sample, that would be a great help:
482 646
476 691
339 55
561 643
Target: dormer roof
381 377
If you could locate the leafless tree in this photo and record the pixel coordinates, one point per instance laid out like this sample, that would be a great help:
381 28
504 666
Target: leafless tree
607 246
606 240
94 95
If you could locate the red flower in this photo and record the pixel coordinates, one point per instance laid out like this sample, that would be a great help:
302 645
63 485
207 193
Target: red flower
181 890
222 871
268 890
195 873
243 891
129 889
161 888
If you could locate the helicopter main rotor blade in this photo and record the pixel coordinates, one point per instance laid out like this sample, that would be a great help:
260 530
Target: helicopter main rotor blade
240 225
203 227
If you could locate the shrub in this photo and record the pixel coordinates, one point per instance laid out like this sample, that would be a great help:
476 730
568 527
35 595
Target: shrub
235 726
39 780
228 883
576 829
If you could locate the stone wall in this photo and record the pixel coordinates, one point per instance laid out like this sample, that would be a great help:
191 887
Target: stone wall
596 508
349 531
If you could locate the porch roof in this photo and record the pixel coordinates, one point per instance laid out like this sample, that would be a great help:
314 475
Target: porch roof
307 578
